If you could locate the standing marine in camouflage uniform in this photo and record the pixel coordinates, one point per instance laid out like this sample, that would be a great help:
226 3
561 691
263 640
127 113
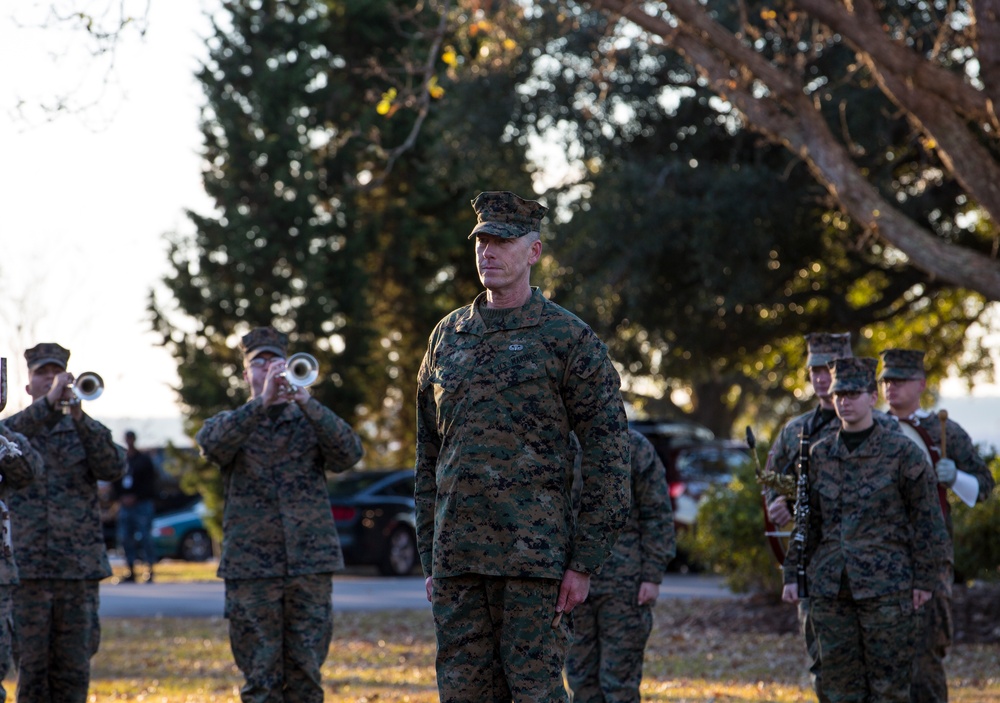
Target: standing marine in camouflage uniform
876 543
817 423
58 538
504 383
904 381
612 626
279 544
20 464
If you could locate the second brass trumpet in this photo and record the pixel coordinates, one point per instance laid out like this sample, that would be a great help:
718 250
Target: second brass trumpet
301 371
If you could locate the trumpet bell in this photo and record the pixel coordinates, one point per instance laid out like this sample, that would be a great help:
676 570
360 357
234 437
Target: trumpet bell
302 369
88 386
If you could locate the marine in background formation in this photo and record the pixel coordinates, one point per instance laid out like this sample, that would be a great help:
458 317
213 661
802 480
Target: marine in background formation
612 626
962 470
20 464
822 348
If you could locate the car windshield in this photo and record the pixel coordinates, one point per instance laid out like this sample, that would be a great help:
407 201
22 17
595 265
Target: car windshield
709 464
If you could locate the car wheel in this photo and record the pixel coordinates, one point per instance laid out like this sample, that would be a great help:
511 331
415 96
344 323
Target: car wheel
196 546
401 553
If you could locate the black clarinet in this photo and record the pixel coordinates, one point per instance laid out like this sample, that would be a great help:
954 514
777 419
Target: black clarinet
802 514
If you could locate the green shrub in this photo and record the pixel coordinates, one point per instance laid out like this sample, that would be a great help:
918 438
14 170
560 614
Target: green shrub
977 534
729 536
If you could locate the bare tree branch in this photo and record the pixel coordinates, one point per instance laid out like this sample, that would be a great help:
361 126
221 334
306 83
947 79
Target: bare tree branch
775 104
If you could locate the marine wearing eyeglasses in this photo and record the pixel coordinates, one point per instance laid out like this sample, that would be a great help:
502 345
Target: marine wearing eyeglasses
279 544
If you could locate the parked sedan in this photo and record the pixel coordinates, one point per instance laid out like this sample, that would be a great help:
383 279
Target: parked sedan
375 516
181 534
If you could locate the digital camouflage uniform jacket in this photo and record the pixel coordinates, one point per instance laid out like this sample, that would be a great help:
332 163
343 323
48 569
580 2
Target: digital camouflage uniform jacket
15 472
647 543
784 455
57 520
874 514
494 470
277 519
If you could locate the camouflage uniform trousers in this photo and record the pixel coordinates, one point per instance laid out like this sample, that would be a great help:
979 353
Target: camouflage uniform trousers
56 632
605 662
496 642
935 632
808 630
280 631
866 646
6 634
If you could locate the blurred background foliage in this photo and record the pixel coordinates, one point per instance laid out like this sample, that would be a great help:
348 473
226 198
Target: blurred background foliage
344 140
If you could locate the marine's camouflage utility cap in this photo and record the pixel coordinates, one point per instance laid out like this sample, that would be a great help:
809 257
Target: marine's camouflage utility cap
503 214
903 364
263 339
854 374
825 347
46 353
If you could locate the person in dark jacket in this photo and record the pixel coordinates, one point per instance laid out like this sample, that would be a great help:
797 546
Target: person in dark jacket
136 493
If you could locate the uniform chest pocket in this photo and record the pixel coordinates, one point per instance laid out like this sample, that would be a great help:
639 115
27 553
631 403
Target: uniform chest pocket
873 485
520 378
829 491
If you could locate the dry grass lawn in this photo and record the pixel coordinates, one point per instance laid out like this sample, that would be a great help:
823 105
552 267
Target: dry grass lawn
389 657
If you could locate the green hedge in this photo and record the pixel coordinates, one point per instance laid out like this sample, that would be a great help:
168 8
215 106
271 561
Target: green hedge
729 536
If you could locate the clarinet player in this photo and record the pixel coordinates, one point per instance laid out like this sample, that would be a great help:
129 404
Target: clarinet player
874 545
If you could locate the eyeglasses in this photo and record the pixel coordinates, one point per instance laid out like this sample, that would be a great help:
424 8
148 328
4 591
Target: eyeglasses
261 361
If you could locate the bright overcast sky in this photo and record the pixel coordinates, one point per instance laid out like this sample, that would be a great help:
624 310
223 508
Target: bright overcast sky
88 197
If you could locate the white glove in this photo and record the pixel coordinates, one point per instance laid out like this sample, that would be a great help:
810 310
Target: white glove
947 472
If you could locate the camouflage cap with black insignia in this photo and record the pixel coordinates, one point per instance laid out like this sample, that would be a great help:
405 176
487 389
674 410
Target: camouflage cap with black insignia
853 374
902 364
46 353
824 347
263 339
504 214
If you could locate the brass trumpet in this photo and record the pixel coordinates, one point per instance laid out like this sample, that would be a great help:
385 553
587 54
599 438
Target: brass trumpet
301 371
87 386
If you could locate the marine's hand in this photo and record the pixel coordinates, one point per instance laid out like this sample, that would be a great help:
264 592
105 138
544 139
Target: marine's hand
947 472
301 395
573 590
58 391
777 511
274 385
920 597
429 586
648 592
790 593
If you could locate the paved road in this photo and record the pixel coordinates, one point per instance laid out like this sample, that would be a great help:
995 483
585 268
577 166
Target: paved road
129 600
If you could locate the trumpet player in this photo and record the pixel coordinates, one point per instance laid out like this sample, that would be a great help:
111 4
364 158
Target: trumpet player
58 540
279 544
